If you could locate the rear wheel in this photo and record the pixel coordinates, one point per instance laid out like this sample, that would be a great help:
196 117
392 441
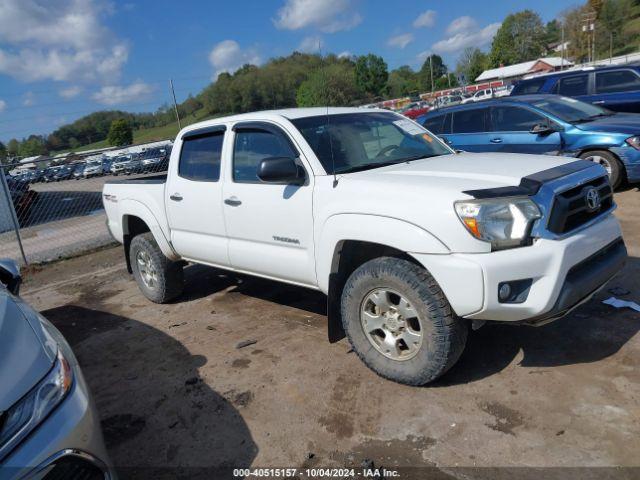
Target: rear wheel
159 279
399 321
611 164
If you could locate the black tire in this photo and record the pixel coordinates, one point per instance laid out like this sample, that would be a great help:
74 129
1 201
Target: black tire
444 334
604 157
169 277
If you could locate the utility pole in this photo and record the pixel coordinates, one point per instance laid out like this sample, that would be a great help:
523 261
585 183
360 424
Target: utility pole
431 67
175 105
562 49
589 27
610 48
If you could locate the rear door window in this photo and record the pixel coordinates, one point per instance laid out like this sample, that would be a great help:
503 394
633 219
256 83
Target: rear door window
200 157
514 119
617 81
469 121
574 86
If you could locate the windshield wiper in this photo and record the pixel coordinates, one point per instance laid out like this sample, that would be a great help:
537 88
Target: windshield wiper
368 166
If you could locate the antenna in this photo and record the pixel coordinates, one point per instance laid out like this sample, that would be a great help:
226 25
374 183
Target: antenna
326 98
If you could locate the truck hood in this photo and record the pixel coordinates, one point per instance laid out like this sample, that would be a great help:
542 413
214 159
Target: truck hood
24 359
627 123
465 171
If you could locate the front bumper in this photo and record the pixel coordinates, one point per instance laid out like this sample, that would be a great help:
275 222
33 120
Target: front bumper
556 267
69 439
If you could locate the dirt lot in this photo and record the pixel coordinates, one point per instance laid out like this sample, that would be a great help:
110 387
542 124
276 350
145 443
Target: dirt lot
174 390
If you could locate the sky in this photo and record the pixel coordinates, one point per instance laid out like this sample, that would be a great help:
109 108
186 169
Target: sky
62 59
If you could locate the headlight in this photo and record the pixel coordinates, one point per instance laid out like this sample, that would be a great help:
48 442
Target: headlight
17 422
505 222
634 142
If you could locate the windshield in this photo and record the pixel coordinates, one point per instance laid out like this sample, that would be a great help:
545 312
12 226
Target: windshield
570 110
359 141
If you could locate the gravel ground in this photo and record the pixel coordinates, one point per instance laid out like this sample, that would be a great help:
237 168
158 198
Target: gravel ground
176 393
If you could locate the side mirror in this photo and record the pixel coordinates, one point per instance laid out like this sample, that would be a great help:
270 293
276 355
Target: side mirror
10 275
542 129
283 170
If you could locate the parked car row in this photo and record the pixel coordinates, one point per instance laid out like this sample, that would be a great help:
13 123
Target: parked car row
151 160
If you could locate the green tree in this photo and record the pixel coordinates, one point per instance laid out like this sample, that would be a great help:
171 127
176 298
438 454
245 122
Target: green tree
371 74
613 32
552 32
334 85
432 62
32 146
520 38
403 81
471 64
120 133
13 147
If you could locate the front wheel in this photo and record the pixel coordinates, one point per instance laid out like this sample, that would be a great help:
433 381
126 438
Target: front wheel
399 321
159 279
611 164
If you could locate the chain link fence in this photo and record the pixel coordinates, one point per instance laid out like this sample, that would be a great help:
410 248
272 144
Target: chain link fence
52 208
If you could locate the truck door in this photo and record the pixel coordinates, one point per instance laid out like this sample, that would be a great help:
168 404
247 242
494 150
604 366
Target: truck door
270 227
194 198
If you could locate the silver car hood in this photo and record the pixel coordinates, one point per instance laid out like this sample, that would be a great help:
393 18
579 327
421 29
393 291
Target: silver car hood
24 358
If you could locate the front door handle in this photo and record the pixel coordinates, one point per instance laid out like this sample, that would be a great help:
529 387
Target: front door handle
496 140
176 197
232 201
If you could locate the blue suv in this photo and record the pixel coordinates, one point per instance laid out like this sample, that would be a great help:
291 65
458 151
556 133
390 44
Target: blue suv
544 124
615 88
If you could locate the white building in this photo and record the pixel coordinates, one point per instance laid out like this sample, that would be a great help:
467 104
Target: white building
519 70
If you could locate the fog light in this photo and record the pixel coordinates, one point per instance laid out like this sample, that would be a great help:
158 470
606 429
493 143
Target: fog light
504 292
514 291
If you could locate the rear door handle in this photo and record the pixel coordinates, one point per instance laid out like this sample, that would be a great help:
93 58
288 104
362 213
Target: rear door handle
176 197
496 140
233 201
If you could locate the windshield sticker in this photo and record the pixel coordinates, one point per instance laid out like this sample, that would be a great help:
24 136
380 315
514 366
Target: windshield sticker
410 127
427 137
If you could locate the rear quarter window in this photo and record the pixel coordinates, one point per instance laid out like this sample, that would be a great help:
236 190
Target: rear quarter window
434 124
526 87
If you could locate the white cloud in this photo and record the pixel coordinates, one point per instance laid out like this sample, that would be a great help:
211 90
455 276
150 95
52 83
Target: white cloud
3 105
327 15
58 40
227 56
120 94
425 19
400 41
311 44
70 92
462 40
29 99
460 24
345 54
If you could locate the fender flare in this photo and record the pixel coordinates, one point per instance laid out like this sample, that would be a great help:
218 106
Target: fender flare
389 231
134 208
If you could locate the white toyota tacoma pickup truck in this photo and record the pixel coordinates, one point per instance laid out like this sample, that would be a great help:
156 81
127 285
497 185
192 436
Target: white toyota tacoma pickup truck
412 242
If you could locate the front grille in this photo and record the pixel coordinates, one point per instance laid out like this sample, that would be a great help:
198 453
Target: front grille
72 467
570 209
